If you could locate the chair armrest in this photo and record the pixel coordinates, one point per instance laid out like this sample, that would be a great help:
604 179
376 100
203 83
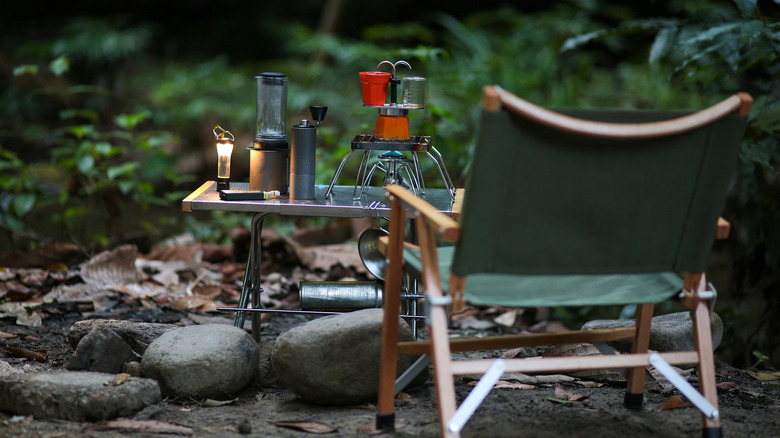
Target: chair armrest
447 228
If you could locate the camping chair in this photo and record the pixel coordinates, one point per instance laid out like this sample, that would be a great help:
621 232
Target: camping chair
580 208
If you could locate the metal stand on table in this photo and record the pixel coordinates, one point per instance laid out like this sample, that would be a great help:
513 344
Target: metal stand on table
393 163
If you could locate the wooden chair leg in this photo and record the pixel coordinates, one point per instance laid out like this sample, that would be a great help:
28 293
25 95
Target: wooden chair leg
443 378
636 376
385 418
703 340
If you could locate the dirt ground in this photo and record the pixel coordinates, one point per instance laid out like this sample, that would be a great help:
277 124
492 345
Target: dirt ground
749 407
551 407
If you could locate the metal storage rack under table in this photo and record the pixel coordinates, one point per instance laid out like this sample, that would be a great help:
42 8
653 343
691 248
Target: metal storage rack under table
340 203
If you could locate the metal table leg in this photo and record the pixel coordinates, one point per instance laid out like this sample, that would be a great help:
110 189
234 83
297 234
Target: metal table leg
251 287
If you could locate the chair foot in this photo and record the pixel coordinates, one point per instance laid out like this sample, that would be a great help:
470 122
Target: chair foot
633 401
385 422
712 432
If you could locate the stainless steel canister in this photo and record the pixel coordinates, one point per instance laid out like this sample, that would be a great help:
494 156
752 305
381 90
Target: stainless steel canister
340 295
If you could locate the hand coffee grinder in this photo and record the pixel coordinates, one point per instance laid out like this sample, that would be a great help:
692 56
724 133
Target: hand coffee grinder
269 155
303 154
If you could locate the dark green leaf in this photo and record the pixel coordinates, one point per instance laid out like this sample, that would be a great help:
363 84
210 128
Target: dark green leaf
73 213
663 41
60 66
130 121
85 163
122 169
103 148
126 186
23 203
25 69
746 7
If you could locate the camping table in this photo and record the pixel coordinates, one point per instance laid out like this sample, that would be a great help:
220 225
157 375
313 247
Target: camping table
339 204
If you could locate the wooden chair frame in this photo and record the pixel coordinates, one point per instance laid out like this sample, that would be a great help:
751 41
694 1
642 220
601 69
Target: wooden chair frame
431 224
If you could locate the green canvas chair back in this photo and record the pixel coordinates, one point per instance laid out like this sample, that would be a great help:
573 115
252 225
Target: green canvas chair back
542 200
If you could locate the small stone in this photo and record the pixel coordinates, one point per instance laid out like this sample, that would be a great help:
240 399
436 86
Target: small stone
133 368
101 351
6 369
202 361
244 427
138 335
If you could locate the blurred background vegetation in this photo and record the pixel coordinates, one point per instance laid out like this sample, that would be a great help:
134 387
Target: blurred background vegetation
106 108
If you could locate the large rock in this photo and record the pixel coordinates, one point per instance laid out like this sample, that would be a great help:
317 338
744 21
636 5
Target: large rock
202 361
672 332
138 335
102 351
76 396
335 360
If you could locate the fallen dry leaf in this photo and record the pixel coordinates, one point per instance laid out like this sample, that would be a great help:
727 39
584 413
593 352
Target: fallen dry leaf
503 384
508 319
24 317
674 402
554 378
5 335
190 303
515 352
666 386
566 395
726 386
36 355
147 426
117 379
307 426
764 376
589 384
209 403
559 400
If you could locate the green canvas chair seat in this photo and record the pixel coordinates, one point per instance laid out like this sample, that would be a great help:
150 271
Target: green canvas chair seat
553 290
573 208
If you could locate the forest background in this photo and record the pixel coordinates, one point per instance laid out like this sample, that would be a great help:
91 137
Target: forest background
107 108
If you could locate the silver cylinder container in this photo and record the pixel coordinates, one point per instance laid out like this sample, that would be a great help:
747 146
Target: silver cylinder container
340 295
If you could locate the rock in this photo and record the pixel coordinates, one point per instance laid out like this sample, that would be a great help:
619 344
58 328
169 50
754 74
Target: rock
133 368
672 332
75 396
7 369
202 361
138 335
608 375
335 360
101 351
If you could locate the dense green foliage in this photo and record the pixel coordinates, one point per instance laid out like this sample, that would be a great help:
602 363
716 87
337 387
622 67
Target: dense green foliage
721 51
103 130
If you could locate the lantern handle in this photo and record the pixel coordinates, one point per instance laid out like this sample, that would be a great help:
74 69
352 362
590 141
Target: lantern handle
221 135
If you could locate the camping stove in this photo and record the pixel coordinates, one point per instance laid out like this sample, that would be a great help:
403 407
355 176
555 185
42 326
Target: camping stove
391 137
